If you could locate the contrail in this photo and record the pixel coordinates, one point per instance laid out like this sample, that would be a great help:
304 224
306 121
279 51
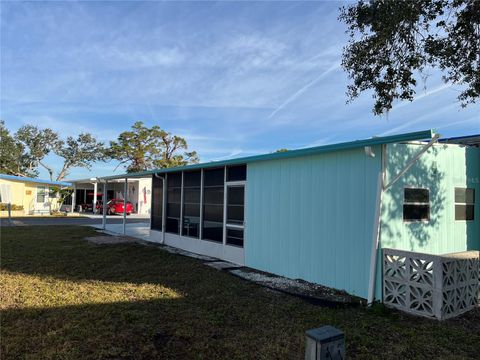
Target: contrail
303 89
421 96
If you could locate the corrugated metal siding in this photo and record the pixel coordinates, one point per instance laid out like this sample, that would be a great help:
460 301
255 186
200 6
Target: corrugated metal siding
312 217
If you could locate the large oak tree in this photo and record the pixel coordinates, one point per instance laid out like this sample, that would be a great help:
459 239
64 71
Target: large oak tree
145 148
24 152
392 43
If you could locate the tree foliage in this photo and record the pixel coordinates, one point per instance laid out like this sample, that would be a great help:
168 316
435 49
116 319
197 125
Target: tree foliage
393 42
22 153
63 194
37 144
13 159
145 148
81 151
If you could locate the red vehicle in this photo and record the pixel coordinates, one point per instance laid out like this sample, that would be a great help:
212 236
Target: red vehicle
115 206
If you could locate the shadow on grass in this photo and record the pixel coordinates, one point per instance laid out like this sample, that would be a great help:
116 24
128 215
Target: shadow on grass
215 316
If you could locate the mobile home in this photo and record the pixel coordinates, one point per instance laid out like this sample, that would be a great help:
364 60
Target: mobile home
323 214
30 196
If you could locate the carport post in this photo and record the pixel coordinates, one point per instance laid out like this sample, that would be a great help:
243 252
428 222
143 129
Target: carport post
125 207
74 198
95 193
104 205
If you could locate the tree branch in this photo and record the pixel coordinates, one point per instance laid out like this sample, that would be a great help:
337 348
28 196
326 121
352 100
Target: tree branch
50 171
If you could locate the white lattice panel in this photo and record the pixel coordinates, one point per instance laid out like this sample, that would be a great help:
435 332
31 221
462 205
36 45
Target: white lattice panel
429 285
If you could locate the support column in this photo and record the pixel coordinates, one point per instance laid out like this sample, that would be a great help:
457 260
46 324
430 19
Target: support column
74 198
94 208
104 206
125 206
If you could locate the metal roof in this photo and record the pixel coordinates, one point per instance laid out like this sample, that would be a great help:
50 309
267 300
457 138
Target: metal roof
94 180
419 135
39 181
469 140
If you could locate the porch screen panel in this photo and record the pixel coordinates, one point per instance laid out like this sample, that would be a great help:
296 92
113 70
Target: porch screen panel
174 194
157 203
213 182
191 203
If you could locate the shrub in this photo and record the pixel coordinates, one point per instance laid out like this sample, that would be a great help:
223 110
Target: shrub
4 207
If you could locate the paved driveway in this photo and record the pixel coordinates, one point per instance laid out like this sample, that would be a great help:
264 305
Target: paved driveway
87 220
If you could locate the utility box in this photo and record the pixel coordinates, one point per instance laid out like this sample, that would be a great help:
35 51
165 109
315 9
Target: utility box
325 343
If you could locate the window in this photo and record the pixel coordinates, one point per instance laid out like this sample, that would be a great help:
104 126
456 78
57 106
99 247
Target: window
52 193
213 181
41 194
235 202
174 195
191 203
157 203
235 237
416 204
5 193
464 204
237 173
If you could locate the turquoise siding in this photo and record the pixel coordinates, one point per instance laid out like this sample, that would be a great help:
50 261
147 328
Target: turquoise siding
312 217
441 169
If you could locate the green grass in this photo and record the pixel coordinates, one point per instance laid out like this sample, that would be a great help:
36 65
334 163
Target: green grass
64 298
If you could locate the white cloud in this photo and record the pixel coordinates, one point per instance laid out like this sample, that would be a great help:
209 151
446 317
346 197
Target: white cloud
226 76
299 92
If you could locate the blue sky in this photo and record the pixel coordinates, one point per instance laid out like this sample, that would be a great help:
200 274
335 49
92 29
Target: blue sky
233 78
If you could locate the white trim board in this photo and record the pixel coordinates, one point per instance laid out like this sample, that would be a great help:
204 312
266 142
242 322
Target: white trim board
233 254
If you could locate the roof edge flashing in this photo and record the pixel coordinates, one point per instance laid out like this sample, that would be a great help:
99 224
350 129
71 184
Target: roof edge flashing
33 180
418 135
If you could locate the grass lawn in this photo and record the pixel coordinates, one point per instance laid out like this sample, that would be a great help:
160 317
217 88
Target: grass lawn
64 298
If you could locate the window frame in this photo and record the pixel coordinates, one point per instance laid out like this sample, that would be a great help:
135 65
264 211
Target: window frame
183 204
45 194
157 186
425 221
230 167
226 225
202 204
455 203
179 203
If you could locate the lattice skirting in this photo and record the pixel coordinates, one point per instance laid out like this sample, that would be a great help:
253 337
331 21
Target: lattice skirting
430 285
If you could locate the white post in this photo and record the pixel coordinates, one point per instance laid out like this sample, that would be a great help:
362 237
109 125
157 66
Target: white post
381 187
74 198
104 205
125 206
94 208
375 241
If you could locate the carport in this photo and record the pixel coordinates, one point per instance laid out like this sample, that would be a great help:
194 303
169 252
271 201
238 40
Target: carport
135 229
90 191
